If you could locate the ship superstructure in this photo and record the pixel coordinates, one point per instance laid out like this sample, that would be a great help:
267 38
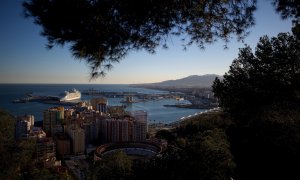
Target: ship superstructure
70 95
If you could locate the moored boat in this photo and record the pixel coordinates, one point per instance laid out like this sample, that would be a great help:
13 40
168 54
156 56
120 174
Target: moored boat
70 95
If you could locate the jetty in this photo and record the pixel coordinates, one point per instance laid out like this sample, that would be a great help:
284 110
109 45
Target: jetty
45 99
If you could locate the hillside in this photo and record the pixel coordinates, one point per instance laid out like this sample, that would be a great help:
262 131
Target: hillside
190 81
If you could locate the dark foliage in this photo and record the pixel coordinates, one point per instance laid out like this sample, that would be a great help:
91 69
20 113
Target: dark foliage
15 156
261 92
115 166
7 144
208 121
269 150
166 134
288 8
103 32
203 153
261 79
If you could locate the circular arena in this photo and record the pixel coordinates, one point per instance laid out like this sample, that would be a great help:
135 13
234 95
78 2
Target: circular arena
135 150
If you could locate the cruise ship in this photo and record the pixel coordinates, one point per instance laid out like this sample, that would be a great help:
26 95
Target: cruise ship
70 95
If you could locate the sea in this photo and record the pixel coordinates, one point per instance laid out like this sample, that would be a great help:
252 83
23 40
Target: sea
157 112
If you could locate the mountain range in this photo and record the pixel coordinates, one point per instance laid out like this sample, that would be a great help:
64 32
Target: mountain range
190 81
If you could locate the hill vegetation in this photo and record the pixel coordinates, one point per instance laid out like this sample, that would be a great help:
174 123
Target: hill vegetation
193 81
261 93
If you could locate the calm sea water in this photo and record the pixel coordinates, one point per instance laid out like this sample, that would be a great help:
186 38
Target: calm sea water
157 113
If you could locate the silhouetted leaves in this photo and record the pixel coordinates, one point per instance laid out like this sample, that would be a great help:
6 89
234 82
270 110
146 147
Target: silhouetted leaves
7 144
201 150
15 156
261 92
114 166
260 79
103 32
288 8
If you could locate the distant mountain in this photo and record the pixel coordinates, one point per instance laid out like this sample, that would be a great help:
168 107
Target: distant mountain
190 81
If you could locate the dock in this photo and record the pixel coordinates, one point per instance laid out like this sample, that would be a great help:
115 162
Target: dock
46 100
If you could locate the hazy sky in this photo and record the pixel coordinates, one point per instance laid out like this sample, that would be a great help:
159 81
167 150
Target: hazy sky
24 58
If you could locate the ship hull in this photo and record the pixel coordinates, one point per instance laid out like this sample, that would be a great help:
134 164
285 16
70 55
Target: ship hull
70 99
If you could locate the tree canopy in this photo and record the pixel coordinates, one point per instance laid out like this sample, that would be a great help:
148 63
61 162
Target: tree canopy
261 91
266 77
115 166
15 156
102 32
288 9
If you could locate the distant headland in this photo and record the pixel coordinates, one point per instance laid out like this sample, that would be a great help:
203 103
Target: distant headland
193 81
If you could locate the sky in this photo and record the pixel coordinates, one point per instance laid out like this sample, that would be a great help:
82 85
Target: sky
24 58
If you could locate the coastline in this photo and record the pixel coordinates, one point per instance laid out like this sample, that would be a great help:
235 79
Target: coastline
153 104
191 106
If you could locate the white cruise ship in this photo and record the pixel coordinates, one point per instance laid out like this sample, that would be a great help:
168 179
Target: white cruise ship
70 95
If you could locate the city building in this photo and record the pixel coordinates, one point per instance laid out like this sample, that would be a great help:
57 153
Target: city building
140 125
37 133
91 132
139 131
23 126
53 119
139 115
102 129
99 104
69 113
124 128
46 151
63 144
77 136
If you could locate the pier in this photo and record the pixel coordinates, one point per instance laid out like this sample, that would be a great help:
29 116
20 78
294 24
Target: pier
45 99
128 96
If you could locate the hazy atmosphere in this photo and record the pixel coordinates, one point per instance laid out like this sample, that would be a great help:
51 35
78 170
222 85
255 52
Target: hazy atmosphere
24 58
